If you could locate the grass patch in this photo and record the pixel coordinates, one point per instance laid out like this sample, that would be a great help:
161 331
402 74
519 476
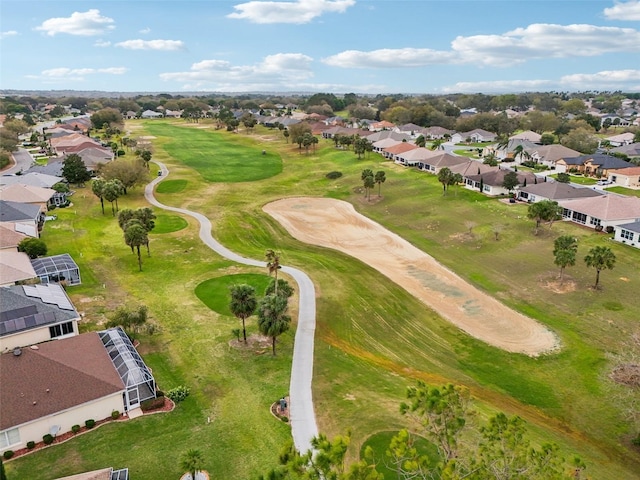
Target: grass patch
214 293
379 443
579 179
171 186
624 191
169 223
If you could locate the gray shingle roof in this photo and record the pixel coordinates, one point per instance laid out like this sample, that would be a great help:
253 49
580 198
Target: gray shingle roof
15 211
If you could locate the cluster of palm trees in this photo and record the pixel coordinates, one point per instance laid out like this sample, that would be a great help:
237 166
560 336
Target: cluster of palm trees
273 320
369 181
136 225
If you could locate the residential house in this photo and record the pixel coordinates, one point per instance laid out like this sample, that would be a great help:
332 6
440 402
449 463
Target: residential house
626 177
621 139
529 136
28 219
381 145
337 131
441 160
471 167
476 136
554 191
490 183
397 149
508 152
49 387
410 129
15 267
32 314
415 157
602 211
631 150
598 164
550 154
150 114
34 178
103 474
628 233
57 269
381 135
437 133
9 237
382 125
44 197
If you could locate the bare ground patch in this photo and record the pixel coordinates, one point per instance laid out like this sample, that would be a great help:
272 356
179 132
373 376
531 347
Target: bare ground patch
335 224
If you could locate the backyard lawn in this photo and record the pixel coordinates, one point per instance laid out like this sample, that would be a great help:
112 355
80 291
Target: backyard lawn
372 338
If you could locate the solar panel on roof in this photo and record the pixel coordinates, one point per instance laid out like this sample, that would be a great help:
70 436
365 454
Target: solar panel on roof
20 324
10 326
18 312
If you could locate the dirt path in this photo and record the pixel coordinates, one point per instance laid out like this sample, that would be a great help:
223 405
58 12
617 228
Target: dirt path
335 224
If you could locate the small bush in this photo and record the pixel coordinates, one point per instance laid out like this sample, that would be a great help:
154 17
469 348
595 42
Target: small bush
90 423
609 229
31 444
159 393
115 415
178 394
8 454
152 404
47 439
636 441
285 419
75 428
333 175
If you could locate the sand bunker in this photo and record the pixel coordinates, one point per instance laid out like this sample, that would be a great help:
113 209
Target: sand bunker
335 224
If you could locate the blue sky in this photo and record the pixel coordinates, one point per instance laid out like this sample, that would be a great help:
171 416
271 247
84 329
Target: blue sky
339 46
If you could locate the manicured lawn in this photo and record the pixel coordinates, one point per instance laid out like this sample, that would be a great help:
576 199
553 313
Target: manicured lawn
579 179
169 223
624 191
372 338
214 292
171 186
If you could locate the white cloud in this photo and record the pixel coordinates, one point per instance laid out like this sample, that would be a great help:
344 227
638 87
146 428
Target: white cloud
300 11
85 24
8 33
64 73
274 72
145 30
164 45
389 58
624 11
102 43
604 80
537 41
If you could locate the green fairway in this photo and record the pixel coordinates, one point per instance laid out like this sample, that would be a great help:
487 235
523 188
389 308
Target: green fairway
372 337
171 186
214 159
169 223
214 292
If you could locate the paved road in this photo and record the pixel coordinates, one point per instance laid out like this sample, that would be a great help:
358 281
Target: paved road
23 162
303 419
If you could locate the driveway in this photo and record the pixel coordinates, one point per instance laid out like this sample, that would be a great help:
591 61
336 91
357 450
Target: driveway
303 419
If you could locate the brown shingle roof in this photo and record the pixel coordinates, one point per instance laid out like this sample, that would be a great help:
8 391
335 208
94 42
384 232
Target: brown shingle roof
606 207
74 370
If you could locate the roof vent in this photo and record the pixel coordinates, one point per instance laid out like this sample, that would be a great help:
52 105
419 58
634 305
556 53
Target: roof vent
17 352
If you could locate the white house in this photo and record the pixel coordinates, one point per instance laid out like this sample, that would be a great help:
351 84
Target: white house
628 233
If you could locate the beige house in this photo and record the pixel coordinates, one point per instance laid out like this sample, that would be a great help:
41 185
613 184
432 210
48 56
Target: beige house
603 211
626 177
9 237
15 267
28 194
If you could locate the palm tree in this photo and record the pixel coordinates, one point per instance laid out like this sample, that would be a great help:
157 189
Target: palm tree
243 304
273 265
97 187
446 178
369 183
600 258
272 318
565 249
380 178
192 462
134 236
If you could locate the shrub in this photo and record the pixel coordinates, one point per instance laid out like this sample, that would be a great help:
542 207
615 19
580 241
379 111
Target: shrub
90 423
115 415
152 404
159 393
8 454
31 444
178 394
47 439
333 175
75 428
609 229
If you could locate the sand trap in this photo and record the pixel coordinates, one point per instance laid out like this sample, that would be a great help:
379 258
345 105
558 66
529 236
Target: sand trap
335 224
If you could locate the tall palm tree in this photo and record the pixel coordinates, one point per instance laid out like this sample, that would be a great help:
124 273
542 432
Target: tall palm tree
369 183
272 318
564 250
600 258
97 187
134 236
243 304
192 461
273 265
380 178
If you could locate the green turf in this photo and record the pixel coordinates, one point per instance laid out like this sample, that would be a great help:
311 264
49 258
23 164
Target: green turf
624 191
171 186
579 179
169 223
214 293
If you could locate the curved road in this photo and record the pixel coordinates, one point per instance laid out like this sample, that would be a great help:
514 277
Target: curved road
302 416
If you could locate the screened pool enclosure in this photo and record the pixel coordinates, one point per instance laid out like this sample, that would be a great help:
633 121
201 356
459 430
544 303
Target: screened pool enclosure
56 269
136 376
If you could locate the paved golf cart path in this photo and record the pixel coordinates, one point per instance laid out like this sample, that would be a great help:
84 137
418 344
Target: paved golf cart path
302 416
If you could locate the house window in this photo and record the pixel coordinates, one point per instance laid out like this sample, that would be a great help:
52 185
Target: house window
579 218
9 437
60 330
486 188
594 221
626 234
566 213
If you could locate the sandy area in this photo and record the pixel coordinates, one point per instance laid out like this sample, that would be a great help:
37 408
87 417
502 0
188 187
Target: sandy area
335 224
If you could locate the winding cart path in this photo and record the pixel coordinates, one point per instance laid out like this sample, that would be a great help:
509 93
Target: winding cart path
302 415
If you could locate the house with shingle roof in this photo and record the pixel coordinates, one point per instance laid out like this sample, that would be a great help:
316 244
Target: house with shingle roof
15 267
597 164
34 178
385 143
381 135
29 194
628 233
626 177
632 150
529 136
602 211
410 129
9 237
490 183
103 474
477 135
382 125
398 148
621 139
441 160
436 132
554 191
549 154
29 219
413 158
50 387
